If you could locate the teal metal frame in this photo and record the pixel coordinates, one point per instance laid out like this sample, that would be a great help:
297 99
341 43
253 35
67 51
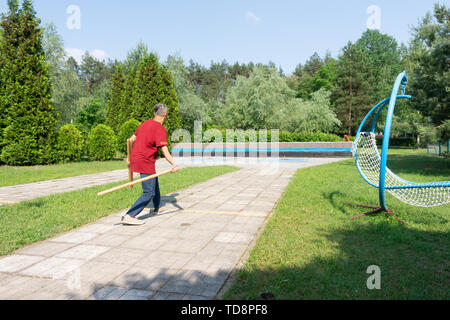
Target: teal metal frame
400 82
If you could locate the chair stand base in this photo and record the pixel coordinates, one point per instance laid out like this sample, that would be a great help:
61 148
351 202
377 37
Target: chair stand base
376 210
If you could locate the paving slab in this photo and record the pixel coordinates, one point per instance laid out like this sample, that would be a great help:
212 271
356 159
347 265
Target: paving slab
83 252
45 249
17 262
74 237
125 256
56 268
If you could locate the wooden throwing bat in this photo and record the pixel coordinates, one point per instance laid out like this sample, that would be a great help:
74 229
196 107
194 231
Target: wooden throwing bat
130 184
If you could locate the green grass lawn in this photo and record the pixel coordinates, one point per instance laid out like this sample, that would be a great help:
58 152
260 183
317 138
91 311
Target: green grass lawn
10 176
310 249
36 220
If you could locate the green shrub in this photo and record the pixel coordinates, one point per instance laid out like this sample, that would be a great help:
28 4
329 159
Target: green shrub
69 143
101 143
22 152
444 131
50 154
27 151
91 114
126 131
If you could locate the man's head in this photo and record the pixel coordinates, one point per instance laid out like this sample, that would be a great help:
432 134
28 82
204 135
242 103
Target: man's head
161 112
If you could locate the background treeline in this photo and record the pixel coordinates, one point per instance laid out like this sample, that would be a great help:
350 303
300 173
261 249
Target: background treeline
325 94
53 108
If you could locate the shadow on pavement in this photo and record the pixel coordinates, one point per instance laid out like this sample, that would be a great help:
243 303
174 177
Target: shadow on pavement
166 284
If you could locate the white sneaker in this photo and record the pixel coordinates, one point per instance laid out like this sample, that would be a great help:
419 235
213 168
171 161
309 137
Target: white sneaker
129 220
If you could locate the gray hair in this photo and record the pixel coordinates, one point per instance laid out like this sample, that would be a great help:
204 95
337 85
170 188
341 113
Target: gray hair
160 109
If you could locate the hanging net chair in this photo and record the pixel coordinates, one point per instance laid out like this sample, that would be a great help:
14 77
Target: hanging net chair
372 165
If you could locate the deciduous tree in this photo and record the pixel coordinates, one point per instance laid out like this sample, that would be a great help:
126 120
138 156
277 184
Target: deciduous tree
429 53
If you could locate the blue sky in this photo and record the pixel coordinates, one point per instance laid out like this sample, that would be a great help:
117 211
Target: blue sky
285 32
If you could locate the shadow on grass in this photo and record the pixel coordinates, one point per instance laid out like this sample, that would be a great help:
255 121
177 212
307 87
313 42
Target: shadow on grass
337 204
34 203
414 265
419 164
410 214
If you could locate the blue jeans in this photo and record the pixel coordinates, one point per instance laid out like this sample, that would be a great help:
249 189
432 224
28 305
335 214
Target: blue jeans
150 191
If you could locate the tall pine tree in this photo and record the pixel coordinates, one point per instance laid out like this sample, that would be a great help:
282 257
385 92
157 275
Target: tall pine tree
154 84
126 101
171 100
350 95
383 63
28 116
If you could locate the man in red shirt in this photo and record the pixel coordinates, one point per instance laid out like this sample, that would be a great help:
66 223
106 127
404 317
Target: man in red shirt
150 136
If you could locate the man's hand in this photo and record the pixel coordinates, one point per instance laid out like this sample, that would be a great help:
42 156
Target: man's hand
169 158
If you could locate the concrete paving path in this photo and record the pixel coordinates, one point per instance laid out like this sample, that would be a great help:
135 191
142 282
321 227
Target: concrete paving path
187 251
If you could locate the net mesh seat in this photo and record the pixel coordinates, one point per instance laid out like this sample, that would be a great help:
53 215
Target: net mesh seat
368 161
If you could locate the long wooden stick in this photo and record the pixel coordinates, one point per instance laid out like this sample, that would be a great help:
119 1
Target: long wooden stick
8 202
133 183
130 172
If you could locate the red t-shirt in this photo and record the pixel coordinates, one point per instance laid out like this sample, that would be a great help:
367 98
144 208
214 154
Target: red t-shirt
150 135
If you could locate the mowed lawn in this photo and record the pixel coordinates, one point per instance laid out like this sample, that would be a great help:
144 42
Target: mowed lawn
310 249
10 176
36 220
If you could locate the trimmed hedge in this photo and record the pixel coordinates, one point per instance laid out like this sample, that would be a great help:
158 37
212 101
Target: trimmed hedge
69 144
102 143
398 142
309 137
283 136
126 131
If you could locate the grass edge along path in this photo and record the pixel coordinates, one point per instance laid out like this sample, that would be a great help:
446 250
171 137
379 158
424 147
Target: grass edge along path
11 176
39 219
310 249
